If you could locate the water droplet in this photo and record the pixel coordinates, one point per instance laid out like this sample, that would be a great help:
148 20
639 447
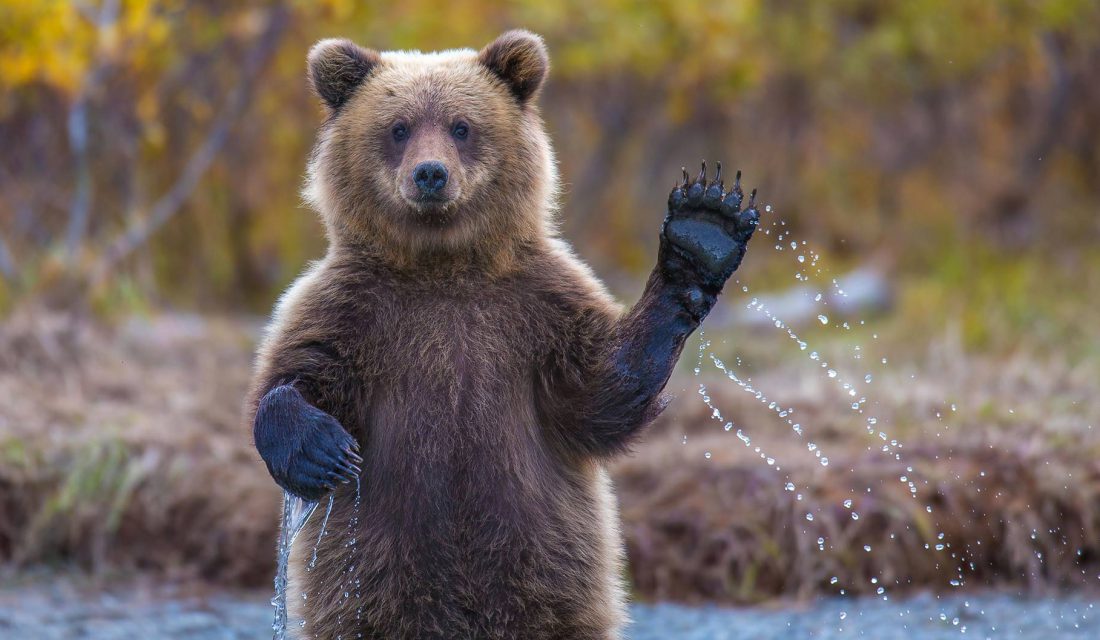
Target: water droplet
824 319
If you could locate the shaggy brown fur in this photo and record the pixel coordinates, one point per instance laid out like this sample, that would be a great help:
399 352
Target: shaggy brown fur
481 368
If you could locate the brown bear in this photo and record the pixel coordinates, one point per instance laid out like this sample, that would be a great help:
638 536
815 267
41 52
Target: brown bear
452 358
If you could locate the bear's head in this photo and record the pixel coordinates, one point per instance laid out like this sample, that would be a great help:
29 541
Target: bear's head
432 154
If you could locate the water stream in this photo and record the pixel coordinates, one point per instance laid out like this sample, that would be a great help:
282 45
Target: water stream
296 512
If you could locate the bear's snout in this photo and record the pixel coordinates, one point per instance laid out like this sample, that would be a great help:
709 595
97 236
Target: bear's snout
430 178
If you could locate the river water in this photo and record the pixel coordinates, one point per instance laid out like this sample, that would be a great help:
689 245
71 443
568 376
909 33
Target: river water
56 609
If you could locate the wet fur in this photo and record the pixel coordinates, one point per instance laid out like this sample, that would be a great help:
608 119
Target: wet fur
484 371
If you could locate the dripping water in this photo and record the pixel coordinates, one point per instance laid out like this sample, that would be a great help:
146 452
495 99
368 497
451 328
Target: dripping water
320 534
296 512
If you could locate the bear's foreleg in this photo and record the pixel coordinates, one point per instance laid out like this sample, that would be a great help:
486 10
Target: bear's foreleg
703 239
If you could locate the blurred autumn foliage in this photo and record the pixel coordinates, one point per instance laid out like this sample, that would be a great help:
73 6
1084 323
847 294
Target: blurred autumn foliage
153 150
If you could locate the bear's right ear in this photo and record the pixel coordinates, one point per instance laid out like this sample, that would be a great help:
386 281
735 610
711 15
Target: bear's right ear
337 67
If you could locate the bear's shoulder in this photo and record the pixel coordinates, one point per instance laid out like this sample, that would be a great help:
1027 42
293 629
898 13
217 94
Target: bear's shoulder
559 277
328 298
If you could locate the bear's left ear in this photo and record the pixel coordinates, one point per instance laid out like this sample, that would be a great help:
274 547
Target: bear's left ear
337 67
519 59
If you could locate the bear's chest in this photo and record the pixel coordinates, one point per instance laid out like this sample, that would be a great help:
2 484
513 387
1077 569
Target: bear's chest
441 342
452 385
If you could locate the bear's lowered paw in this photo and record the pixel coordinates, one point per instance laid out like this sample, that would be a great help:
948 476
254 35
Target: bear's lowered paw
705 232
306 450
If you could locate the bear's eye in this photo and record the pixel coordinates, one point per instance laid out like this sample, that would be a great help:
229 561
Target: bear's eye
400 132
461 130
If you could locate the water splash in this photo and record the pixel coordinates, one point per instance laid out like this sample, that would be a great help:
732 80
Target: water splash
808 262
704 346
296 512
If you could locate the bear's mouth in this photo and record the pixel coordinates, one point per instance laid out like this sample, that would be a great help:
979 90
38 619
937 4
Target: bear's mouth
433 201
422 203
433 218
433 211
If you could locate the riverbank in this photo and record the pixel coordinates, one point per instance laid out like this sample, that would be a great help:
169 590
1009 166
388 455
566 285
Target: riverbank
121 449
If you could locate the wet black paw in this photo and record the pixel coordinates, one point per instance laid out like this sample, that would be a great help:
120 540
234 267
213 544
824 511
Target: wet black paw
306 450
705 232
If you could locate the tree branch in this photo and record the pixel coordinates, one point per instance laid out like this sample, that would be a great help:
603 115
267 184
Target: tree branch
139 231
81 205
7 263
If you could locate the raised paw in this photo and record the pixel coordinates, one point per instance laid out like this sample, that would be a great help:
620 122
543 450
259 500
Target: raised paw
306 450
705 232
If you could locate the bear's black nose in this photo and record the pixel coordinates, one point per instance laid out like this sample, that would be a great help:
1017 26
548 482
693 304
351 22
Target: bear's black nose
430 177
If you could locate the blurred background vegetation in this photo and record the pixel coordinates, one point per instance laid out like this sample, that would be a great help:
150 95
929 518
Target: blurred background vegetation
152 153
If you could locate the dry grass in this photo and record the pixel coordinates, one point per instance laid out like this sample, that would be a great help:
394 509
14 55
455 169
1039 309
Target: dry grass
1003 450
121 448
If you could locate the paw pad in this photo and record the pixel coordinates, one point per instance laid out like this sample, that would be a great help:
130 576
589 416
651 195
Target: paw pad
707 225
